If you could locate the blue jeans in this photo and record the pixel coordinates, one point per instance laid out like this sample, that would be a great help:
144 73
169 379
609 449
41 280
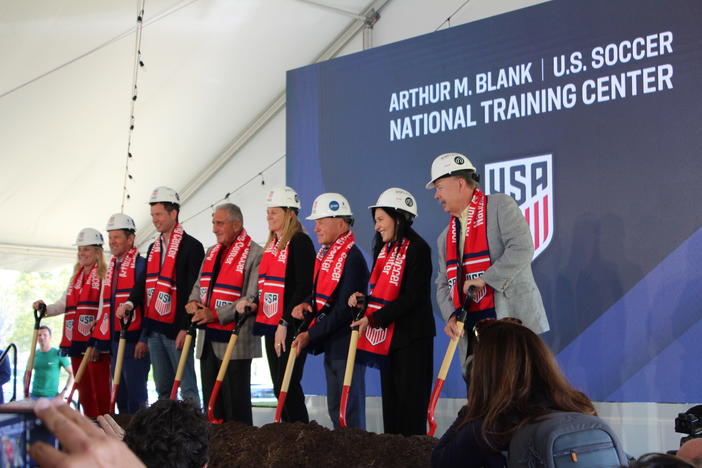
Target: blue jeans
165 357
334 370
131 395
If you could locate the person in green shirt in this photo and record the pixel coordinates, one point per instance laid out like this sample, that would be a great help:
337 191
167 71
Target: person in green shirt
47 365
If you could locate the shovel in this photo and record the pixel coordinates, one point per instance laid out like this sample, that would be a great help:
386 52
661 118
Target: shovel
183 359
351 360
81 370
448 357
225 363
289 368
124 322
38 315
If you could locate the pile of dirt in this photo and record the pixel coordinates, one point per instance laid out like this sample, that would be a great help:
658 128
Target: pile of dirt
298 445
234 444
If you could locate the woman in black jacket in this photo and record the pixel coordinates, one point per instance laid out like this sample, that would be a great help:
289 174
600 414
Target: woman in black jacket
397 331
285 280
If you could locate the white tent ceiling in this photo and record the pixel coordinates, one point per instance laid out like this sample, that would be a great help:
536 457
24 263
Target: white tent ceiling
214 74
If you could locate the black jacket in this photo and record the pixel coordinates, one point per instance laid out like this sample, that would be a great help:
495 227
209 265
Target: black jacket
187 266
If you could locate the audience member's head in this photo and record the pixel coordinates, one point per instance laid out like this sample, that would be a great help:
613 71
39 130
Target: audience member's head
169 433
691 451
660 460
514 379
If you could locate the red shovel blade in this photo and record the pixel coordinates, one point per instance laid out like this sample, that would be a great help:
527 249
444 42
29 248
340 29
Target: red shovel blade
113 399
174 390
343 405
279 409
211 403
432 406
70 395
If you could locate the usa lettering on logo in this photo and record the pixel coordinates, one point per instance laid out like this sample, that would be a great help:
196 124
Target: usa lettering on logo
84 323
270 304
375 336
149 292
219 303
530 182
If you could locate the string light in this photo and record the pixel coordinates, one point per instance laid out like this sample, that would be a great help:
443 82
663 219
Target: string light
137 64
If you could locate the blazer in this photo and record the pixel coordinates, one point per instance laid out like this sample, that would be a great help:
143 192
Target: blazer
247 346
511 251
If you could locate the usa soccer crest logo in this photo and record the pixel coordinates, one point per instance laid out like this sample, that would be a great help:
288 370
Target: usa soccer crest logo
84 324
530 182
163 303
270 304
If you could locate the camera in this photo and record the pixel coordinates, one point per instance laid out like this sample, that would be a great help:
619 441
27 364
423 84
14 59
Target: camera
690 423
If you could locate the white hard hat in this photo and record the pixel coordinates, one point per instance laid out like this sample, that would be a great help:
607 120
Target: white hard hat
397 198
448 163
164 195
330 205
283 197
89 236
120 221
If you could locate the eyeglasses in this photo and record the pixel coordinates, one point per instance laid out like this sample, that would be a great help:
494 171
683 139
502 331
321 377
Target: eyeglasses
480 326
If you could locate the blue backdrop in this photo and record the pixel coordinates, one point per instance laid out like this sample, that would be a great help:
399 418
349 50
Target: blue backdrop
588 113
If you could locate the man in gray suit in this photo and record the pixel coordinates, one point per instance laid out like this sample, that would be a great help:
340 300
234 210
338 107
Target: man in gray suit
510 246
228 274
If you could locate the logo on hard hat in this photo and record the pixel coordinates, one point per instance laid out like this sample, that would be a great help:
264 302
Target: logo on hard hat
334 205
530 182
177 197
297 199
458 160
408 201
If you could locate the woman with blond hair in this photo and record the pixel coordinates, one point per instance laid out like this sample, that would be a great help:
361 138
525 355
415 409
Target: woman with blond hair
80 306
514 380
285 280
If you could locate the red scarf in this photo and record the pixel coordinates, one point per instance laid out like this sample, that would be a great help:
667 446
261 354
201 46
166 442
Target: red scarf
226 288
476 257
82 299
161 281
125 282
271 288
385 281
328 268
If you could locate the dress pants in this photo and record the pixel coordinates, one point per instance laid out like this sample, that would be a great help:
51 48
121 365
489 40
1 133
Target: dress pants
234 399
94 389
294 409
406 388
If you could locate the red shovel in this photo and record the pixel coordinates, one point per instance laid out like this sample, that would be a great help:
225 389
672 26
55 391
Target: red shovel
225 363
124 322
183 359
448 357
38 315
289 368
351 360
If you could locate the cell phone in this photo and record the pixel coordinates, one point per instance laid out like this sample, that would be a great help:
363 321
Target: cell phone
19 427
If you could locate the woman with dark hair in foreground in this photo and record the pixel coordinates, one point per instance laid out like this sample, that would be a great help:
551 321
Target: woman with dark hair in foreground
514 380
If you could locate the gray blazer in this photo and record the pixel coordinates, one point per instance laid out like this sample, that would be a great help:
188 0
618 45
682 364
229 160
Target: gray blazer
511 251
247 346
